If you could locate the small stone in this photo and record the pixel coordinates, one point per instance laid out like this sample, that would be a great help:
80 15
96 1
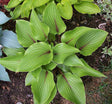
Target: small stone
28 95
18 103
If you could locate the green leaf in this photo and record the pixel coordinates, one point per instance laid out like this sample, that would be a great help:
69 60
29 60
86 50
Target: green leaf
50 66
32 76
12 62
38 3
65 9
62 51
36 55
29 78
24 33
70 37
36 73
13 3
43 88
40 9
17 12
64 68
73 1
71 88
86 71
53 93
86 0
40 30
52 18
73 60
25 8
90 41
87 8
13 51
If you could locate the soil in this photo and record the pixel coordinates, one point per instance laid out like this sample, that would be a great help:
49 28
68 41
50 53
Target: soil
98 90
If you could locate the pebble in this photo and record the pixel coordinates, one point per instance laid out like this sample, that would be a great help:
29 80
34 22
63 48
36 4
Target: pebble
18 103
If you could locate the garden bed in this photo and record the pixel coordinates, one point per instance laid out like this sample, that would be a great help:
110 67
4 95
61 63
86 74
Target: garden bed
98 90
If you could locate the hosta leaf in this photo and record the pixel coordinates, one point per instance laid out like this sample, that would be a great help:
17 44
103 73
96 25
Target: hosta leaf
13 51
70 37
38 3
26 7
3 18
64 68
86 0
3 74
29 78
65 9
90 41
73 1
52 18
87 8
36 55
53 93
24 33
40 30
13 3
32 76
16 13
43 88
36 73
62 51
40 9
73 60
86 71
9 39
11 62
72 88
50 66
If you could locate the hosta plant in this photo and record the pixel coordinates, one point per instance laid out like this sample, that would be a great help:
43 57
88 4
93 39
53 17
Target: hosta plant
23 7
8 40
50 53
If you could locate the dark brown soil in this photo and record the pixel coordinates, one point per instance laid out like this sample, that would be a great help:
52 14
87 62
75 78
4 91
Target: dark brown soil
15 91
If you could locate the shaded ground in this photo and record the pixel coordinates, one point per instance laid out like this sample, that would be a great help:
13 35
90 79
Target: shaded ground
98 90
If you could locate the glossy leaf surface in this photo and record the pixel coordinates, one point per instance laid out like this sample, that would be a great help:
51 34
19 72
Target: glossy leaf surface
24 33
73 1
62 51
13 3
43 88
36 55
90 40
87 8
73 60
38 3
53 19
32 76
40 30
17 12
12 62
71 88
86 71
70 37
65 9
13 51
26 7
